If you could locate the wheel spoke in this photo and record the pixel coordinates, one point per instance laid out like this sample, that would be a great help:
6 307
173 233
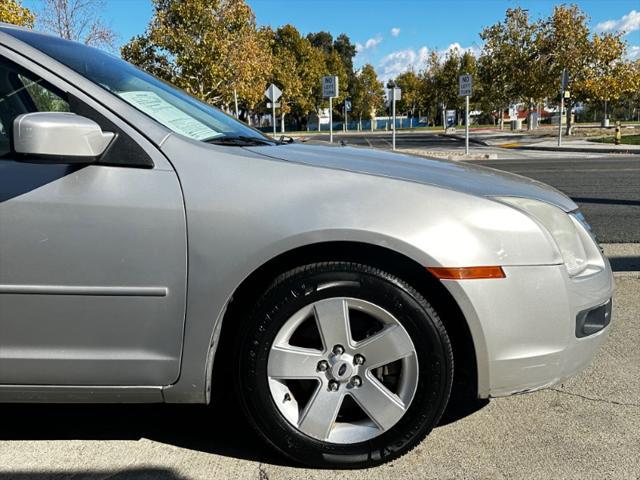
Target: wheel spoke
320 414
291 362
332 317
389 345
382 406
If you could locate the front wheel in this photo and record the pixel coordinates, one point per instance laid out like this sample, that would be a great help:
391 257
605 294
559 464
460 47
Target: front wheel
343 365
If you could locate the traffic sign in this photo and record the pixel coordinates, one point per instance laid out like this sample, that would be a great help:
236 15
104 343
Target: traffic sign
451 118
564 82
273 93
330 87
347 104
465 85
270 104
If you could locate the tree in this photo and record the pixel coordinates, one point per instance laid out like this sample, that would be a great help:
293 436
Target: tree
566 45
431 95
77 20
286 44
412 92
368 96
322 41
297 68
607 77
12 11
446 80
512 52
346 50
595 63
492 80
210 48
338 61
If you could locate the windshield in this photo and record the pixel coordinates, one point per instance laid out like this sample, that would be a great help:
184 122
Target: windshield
169 106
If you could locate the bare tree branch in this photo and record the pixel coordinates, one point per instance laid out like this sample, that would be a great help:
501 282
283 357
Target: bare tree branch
78 20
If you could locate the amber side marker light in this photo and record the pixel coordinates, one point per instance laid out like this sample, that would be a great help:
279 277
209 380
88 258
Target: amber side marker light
466 273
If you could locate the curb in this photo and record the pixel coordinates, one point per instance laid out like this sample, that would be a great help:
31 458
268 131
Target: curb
576 149
447 155
462 137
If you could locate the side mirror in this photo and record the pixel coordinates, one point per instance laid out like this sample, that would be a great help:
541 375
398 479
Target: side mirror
57 137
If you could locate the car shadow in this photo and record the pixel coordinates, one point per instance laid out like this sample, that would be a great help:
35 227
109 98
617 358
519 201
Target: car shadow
126 474
457 409
220 429
625 264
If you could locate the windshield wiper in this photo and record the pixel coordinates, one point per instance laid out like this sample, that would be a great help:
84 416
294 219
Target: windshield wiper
240 141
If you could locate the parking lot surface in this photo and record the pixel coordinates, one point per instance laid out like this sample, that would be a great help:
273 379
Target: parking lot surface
586 428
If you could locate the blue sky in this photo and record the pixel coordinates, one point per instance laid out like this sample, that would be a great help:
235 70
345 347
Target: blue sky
393 35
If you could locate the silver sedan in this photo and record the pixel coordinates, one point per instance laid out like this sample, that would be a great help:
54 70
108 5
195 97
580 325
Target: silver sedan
153 249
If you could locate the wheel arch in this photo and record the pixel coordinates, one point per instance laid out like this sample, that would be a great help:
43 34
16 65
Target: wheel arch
467 373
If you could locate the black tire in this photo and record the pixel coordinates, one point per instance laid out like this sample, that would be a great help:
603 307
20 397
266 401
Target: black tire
297 288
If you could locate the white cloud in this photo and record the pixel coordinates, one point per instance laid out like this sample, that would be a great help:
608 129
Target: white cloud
634 52
400 61
395 31
474 50
372 42
627 23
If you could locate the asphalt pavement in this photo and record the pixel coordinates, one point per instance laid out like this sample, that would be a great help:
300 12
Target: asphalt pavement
607 189
587 428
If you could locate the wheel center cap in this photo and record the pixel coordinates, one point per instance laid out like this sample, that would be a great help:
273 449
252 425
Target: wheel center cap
341 370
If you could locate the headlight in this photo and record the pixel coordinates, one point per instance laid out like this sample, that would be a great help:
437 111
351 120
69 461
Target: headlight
560 226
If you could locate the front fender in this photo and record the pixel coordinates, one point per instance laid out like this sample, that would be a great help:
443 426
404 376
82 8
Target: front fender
243 209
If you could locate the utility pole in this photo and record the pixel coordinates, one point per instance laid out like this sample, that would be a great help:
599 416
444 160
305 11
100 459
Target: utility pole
466 125
330 119
273 117
394 95
235 99
563 86
273 93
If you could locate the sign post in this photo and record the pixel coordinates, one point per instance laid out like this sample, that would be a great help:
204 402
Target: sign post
347 109
563 86
273 93
465 88
330 90
395 94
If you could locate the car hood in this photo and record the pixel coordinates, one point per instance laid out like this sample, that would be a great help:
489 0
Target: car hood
462 177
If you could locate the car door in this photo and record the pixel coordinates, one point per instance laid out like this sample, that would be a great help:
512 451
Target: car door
92 257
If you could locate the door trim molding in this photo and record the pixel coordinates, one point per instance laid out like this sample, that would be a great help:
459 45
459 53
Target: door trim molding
85 290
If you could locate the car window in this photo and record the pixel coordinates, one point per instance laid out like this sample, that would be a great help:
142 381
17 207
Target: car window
43 98
22 92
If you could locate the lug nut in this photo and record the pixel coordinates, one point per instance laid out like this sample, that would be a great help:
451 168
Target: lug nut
356 381
358 359
323 366
333 385
338 349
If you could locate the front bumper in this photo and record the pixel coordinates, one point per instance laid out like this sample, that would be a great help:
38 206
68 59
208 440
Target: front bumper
524 326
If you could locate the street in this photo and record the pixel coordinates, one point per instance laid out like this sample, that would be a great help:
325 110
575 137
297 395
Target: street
607 189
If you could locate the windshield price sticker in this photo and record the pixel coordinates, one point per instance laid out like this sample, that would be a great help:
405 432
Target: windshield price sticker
159 109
